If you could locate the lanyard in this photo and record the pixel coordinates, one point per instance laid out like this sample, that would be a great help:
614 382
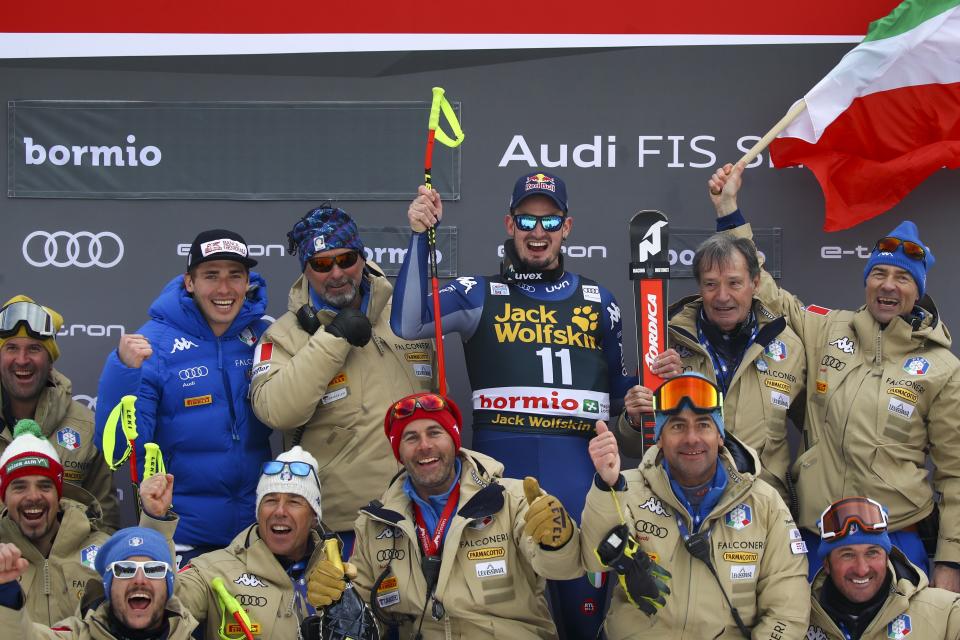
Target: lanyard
719 366
431 546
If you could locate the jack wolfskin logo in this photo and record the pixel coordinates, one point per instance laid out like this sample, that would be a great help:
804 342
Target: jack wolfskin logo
182 344
249 580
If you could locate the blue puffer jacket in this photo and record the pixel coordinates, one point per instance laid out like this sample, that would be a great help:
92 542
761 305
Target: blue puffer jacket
192 401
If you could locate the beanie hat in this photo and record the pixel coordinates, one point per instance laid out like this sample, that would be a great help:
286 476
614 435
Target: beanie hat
219 244
917 269
660 418
448 418
130 542
323 229
30 454
50 344
286 481
855 535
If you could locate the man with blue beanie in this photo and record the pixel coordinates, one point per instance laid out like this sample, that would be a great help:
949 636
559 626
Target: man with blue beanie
725 558
867 589
137 568
883 392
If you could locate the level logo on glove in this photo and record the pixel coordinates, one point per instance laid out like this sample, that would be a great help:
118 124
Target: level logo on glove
547 522
643 580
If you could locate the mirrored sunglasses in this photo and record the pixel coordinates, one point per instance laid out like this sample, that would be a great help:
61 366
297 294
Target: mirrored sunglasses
910 249
323 264
528 221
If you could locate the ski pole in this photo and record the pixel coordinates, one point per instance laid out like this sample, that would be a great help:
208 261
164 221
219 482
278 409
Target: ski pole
435 133
124 415
229 604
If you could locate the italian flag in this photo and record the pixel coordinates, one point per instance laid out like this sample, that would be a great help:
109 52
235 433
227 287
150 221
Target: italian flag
886 117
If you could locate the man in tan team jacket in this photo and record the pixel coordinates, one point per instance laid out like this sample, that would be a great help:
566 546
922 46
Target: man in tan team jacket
134 600
32 389
866 588
694 499
328 369
883 390
729 336
452 545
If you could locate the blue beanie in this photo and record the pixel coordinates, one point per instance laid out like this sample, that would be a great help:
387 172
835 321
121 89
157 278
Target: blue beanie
855 535
660 418
906 230
129 542
323 229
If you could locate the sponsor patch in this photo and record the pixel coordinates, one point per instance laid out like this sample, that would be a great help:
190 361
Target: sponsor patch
88 555
739 517
740 557
816 633
136 541
743 572
588 607
72 476
904 394
260 369
223 245
778 399
388 593
68 438
487 553
417 356
655 506
821 386
591 293
249 580
235 629
263 352
762 365
654 556
198 401
491 569
794 534
340 378
597 579
467 283
319 244
248 337
390 532
845 344
900 627
900 408
797 547
480 523
423 370
333 396
779 385
916 366
817 309
499 289
30 461
776 350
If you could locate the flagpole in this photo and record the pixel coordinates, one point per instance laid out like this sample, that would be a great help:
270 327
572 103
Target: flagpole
798 107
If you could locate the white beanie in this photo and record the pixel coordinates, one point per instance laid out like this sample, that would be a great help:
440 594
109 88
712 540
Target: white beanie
286 482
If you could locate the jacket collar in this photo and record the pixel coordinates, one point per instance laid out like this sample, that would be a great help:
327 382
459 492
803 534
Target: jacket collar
380 292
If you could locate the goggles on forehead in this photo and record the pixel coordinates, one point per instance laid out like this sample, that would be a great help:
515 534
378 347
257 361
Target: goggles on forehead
127 569
324 264
35 319
836 520
528 221
699 393
408 406
910 249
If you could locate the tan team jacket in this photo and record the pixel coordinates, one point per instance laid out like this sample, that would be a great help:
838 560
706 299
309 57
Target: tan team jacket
54 585
913 609
69 427
877 400
94 625
755 548
491 577
768 381
340 395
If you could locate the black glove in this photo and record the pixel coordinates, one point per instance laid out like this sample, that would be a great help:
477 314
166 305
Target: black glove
643 580
353 326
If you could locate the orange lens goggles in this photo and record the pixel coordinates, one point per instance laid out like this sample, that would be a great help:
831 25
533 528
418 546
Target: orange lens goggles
323 264
699 393
836 519
428 402
911 249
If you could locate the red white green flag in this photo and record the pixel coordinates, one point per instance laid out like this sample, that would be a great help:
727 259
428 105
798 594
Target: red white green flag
886 117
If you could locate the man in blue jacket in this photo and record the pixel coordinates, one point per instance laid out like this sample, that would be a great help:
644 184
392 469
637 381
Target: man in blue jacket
189 367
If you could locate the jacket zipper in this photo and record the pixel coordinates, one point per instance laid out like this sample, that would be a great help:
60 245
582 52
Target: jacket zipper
227 391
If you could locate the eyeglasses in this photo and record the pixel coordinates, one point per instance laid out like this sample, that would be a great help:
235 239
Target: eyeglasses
701 394
408 406
35 319
911 249
323 264
836 520
528 221
127 569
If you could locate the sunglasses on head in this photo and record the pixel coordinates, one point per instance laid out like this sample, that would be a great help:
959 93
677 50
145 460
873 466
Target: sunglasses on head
323 264
408 406
911 249
836 520
34 318
127 569
700 394
528 221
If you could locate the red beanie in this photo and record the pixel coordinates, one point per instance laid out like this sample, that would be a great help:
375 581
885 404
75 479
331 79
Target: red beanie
449 418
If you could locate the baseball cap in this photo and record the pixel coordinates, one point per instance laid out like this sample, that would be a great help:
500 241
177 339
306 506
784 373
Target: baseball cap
219 244
542 184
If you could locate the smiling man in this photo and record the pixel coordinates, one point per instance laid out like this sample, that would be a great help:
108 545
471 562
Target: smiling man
883 393
189 367
544 354
867 589
725 559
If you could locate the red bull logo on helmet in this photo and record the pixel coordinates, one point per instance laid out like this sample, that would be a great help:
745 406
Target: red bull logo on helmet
540 181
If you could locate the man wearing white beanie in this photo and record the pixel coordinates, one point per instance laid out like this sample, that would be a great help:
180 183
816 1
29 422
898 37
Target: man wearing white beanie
266 566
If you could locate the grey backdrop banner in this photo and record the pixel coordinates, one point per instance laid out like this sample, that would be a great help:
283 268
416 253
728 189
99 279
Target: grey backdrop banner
223 150
684 243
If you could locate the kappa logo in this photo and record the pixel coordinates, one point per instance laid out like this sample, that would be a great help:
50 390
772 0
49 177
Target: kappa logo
916 366
467 283
654 505
389 532
249 580
614 312
816 633
739 517
68 438
900 627
182 344
651 244
845 344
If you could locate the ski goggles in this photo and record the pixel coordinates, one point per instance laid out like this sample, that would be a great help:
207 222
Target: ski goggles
528 221
408 406
699 393
324 264
35 319
127 569
835 521
910 249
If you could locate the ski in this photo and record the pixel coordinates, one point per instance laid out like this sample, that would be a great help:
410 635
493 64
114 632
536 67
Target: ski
650 268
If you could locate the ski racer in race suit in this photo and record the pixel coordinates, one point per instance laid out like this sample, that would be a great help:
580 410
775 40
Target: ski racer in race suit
544 355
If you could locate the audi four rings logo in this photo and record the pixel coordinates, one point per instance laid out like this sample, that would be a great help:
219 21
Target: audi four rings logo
193 372
642 526
81 249
251 601
834 363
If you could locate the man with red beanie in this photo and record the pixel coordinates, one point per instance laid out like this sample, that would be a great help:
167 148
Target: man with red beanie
453 549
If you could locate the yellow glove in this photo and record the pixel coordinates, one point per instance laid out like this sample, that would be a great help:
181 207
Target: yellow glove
326 583
547 521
